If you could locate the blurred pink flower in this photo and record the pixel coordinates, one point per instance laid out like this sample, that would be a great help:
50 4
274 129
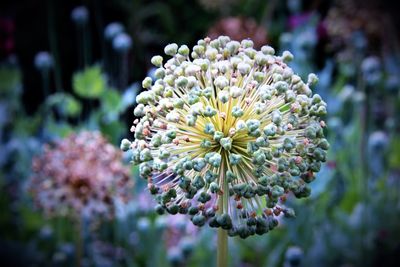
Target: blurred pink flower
80 175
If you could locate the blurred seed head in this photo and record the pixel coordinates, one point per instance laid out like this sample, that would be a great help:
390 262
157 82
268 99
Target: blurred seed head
372 70
122 42
112 30
378 141
43 61
80 15
79 176
293 257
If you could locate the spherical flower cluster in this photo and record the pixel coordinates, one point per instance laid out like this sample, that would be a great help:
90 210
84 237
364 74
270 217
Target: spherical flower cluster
43 61
239 28
81 176
80 15
225 133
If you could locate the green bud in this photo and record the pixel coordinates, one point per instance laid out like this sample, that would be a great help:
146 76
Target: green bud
204 197
209 176
234 159
252 125
233 47
184 50
208 92
145 155
178 103
262 141
184 182
205 143
312 79
171 49
199 164
163 154
139 111
277 191
145 169
259 157
270 130
214 187
243 68
237 112
171 134
226 143
188 165
198 182
223 96
289 213
156 140
276 117
221 82
209 111
157 61
218 136
215 160
251 147
302 191
241 126
281 87
230 176
224 220
209 128
181 81
323 144
211 54
199 49
235 91
319 154
267 50
125 145
287 56
191 120
199 220
259 76
160 209
193 210
247 43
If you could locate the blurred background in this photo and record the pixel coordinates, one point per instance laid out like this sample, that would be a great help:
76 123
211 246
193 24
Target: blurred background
73 66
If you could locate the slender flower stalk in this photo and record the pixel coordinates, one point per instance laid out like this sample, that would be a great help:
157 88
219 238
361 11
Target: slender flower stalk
226 133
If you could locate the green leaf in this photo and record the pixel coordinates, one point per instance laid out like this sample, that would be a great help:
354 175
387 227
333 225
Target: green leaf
394 155
59 129
65 103
10 80
89 83
111 101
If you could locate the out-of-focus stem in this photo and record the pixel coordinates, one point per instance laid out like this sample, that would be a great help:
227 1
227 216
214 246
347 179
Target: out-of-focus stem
79 243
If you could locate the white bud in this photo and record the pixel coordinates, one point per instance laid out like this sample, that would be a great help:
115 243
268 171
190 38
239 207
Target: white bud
171 49
235 91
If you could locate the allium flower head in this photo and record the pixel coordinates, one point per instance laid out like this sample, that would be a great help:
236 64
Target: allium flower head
226 134
81 175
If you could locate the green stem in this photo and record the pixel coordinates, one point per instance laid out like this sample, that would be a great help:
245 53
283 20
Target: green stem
51 27
79 243
222 244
